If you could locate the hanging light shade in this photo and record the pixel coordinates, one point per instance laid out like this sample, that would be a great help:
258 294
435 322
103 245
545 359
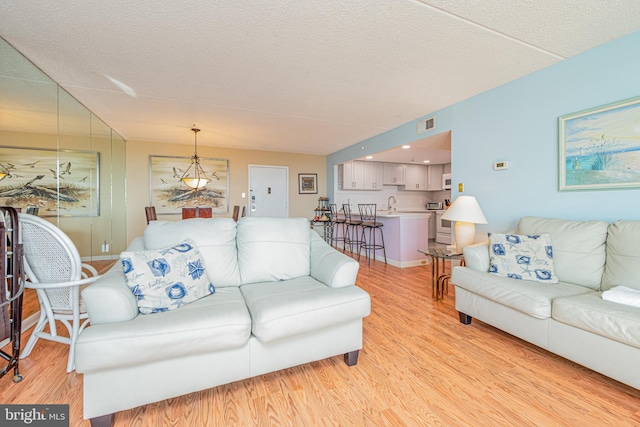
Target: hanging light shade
194 177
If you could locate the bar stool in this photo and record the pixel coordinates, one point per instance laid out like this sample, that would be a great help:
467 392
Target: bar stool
352 230
369 227
337 224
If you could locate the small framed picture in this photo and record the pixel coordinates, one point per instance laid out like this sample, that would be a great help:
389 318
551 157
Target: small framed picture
307 183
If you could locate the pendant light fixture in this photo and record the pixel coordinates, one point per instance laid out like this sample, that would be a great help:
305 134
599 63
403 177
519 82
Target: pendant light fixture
194 177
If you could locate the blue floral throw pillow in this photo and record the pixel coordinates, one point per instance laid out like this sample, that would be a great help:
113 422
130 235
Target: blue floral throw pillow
522 257
166 279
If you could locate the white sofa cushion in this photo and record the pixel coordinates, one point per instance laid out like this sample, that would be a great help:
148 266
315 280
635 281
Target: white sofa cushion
579 247
273 249
215 238
217 322
296 306
605 318
623 255
528 297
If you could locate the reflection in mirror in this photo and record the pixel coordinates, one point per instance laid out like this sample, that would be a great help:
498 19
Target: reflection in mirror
76 159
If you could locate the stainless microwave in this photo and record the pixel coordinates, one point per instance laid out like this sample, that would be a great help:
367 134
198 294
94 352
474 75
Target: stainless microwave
446 181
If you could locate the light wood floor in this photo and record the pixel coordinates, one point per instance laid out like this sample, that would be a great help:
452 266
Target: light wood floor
419 367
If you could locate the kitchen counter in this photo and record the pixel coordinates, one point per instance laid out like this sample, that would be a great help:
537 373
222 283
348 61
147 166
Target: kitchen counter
399 213
404 233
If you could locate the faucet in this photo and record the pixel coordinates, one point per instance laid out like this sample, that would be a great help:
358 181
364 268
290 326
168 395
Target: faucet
389 202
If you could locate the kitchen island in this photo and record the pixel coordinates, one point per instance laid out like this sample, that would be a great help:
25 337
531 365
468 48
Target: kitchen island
404 233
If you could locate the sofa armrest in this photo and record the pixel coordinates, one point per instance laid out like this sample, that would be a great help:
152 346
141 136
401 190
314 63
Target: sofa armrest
109 299
331 267
477 256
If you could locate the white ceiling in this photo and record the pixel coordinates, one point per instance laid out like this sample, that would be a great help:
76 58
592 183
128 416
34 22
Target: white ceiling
303 76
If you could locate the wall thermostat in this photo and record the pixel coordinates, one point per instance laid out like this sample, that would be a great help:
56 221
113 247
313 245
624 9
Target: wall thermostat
500 166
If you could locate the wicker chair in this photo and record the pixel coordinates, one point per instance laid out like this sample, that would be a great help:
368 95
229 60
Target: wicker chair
54 269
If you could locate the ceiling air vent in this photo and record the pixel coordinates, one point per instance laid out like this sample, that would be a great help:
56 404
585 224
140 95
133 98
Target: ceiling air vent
426 124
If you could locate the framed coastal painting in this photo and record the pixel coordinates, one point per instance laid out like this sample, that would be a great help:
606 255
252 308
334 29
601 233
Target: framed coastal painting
169 195
50 182
600 147
307 183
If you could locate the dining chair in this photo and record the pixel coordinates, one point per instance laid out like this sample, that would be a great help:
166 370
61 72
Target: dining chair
54 269
236 212
150 212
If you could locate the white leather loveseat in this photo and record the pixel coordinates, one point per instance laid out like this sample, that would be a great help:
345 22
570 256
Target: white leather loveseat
569 318
283 297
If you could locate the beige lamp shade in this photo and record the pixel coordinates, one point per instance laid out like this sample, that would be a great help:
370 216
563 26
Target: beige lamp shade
195 183
465 212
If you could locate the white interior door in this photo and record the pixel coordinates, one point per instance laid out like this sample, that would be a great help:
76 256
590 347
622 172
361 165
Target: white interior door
268 191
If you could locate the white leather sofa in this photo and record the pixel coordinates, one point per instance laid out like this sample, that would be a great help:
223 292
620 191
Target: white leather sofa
569 318
283 297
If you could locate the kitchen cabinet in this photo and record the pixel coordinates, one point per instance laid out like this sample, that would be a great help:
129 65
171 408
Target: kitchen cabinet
393 173
359 175
373 175
435 177
432 226
416 178
350 175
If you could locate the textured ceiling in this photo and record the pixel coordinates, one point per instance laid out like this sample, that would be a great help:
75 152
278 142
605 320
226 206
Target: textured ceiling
303 76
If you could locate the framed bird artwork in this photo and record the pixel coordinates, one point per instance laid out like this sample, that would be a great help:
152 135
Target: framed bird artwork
50 182
169 194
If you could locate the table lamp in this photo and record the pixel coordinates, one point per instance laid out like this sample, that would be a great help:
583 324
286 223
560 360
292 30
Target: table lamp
466 212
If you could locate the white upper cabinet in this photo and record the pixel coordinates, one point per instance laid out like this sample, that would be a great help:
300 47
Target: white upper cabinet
373 175
359 175
435 177
416 178
394 174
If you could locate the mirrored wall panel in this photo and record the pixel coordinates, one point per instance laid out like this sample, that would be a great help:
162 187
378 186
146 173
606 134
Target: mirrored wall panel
61 161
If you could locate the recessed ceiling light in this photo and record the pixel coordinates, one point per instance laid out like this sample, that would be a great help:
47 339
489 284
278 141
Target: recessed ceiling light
369 157
426 161
406 146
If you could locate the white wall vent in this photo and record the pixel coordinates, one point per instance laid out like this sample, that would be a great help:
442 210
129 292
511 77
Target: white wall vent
426 124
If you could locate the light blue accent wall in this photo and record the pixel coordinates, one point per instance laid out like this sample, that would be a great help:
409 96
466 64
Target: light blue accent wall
518 122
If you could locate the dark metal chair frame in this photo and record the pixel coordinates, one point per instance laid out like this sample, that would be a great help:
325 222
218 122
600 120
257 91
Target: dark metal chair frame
351 233
369 227
337 224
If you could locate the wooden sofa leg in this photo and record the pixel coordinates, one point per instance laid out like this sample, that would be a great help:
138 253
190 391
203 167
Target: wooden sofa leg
103 421
465 319
351 358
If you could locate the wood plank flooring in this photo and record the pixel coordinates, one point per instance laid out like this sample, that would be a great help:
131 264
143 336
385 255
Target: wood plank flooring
419 367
